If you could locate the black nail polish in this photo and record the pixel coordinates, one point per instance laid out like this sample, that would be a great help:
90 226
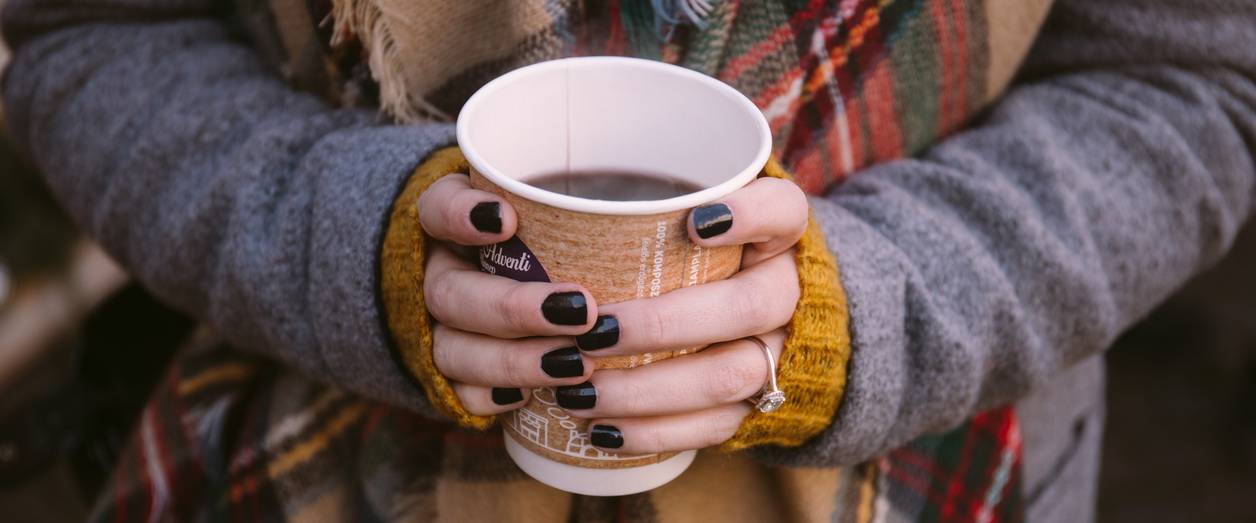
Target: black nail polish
487 217
606 436
582 396
605 332
506 396
565 308
563 363
713 219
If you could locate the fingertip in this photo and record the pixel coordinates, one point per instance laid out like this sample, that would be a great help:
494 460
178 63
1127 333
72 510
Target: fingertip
565 362
606 436
483 218
603 334
486 217
451 210
491 216
577 398
769 213
489 401
710 220
670 433
566 308
507 396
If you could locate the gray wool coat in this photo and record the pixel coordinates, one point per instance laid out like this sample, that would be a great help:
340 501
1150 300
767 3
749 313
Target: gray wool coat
994 268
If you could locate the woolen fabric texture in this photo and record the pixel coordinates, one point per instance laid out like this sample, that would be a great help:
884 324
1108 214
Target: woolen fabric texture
992 267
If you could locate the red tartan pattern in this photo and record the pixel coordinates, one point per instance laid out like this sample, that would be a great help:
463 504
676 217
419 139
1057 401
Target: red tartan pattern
232 437
845 84
968 474
225 438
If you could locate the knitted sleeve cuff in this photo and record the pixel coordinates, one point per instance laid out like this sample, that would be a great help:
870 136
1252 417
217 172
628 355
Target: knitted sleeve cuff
401 289
812 369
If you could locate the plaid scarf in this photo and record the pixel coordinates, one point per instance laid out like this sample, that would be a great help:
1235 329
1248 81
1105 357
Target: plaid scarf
844 83
231 436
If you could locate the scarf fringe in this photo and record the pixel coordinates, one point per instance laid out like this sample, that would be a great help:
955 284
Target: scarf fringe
672 12
365 18
374 25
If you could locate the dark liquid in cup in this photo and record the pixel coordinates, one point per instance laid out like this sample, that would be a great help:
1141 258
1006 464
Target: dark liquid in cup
620 186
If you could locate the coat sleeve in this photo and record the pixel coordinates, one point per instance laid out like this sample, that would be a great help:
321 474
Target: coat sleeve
1117 167
254 208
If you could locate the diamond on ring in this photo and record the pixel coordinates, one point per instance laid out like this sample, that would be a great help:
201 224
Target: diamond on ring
770 401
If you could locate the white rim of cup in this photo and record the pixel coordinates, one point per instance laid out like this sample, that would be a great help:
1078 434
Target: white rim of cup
592 206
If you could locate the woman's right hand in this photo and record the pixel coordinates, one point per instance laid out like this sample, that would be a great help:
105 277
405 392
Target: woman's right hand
495 338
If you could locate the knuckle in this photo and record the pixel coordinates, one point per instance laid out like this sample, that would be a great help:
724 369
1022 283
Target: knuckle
437 290
652 326
441 348
653 439
785 189
802 212
746 307
514 371
795 207
731 379
486 373
781 304
507 308
722 426
634 397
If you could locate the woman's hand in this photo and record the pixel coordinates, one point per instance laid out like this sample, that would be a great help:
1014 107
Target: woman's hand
497 339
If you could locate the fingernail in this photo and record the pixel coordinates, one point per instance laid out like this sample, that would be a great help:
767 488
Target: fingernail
606 436
506 396
713 219
565 308
487 217
605 332
582 396
563 363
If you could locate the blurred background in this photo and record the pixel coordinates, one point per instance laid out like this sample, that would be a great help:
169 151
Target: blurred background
80 347
1181 436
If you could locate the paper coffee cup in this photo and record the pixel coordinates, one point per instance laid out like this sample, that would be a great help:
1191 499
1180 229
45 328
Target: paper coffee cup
588 119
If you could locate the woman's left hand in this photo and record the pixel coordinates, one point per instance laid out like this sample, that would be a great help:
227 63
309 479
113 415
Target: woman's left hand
698 400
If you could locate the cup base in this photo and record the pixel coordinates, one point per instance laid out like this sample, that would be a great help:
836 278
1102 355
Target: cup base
598 482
